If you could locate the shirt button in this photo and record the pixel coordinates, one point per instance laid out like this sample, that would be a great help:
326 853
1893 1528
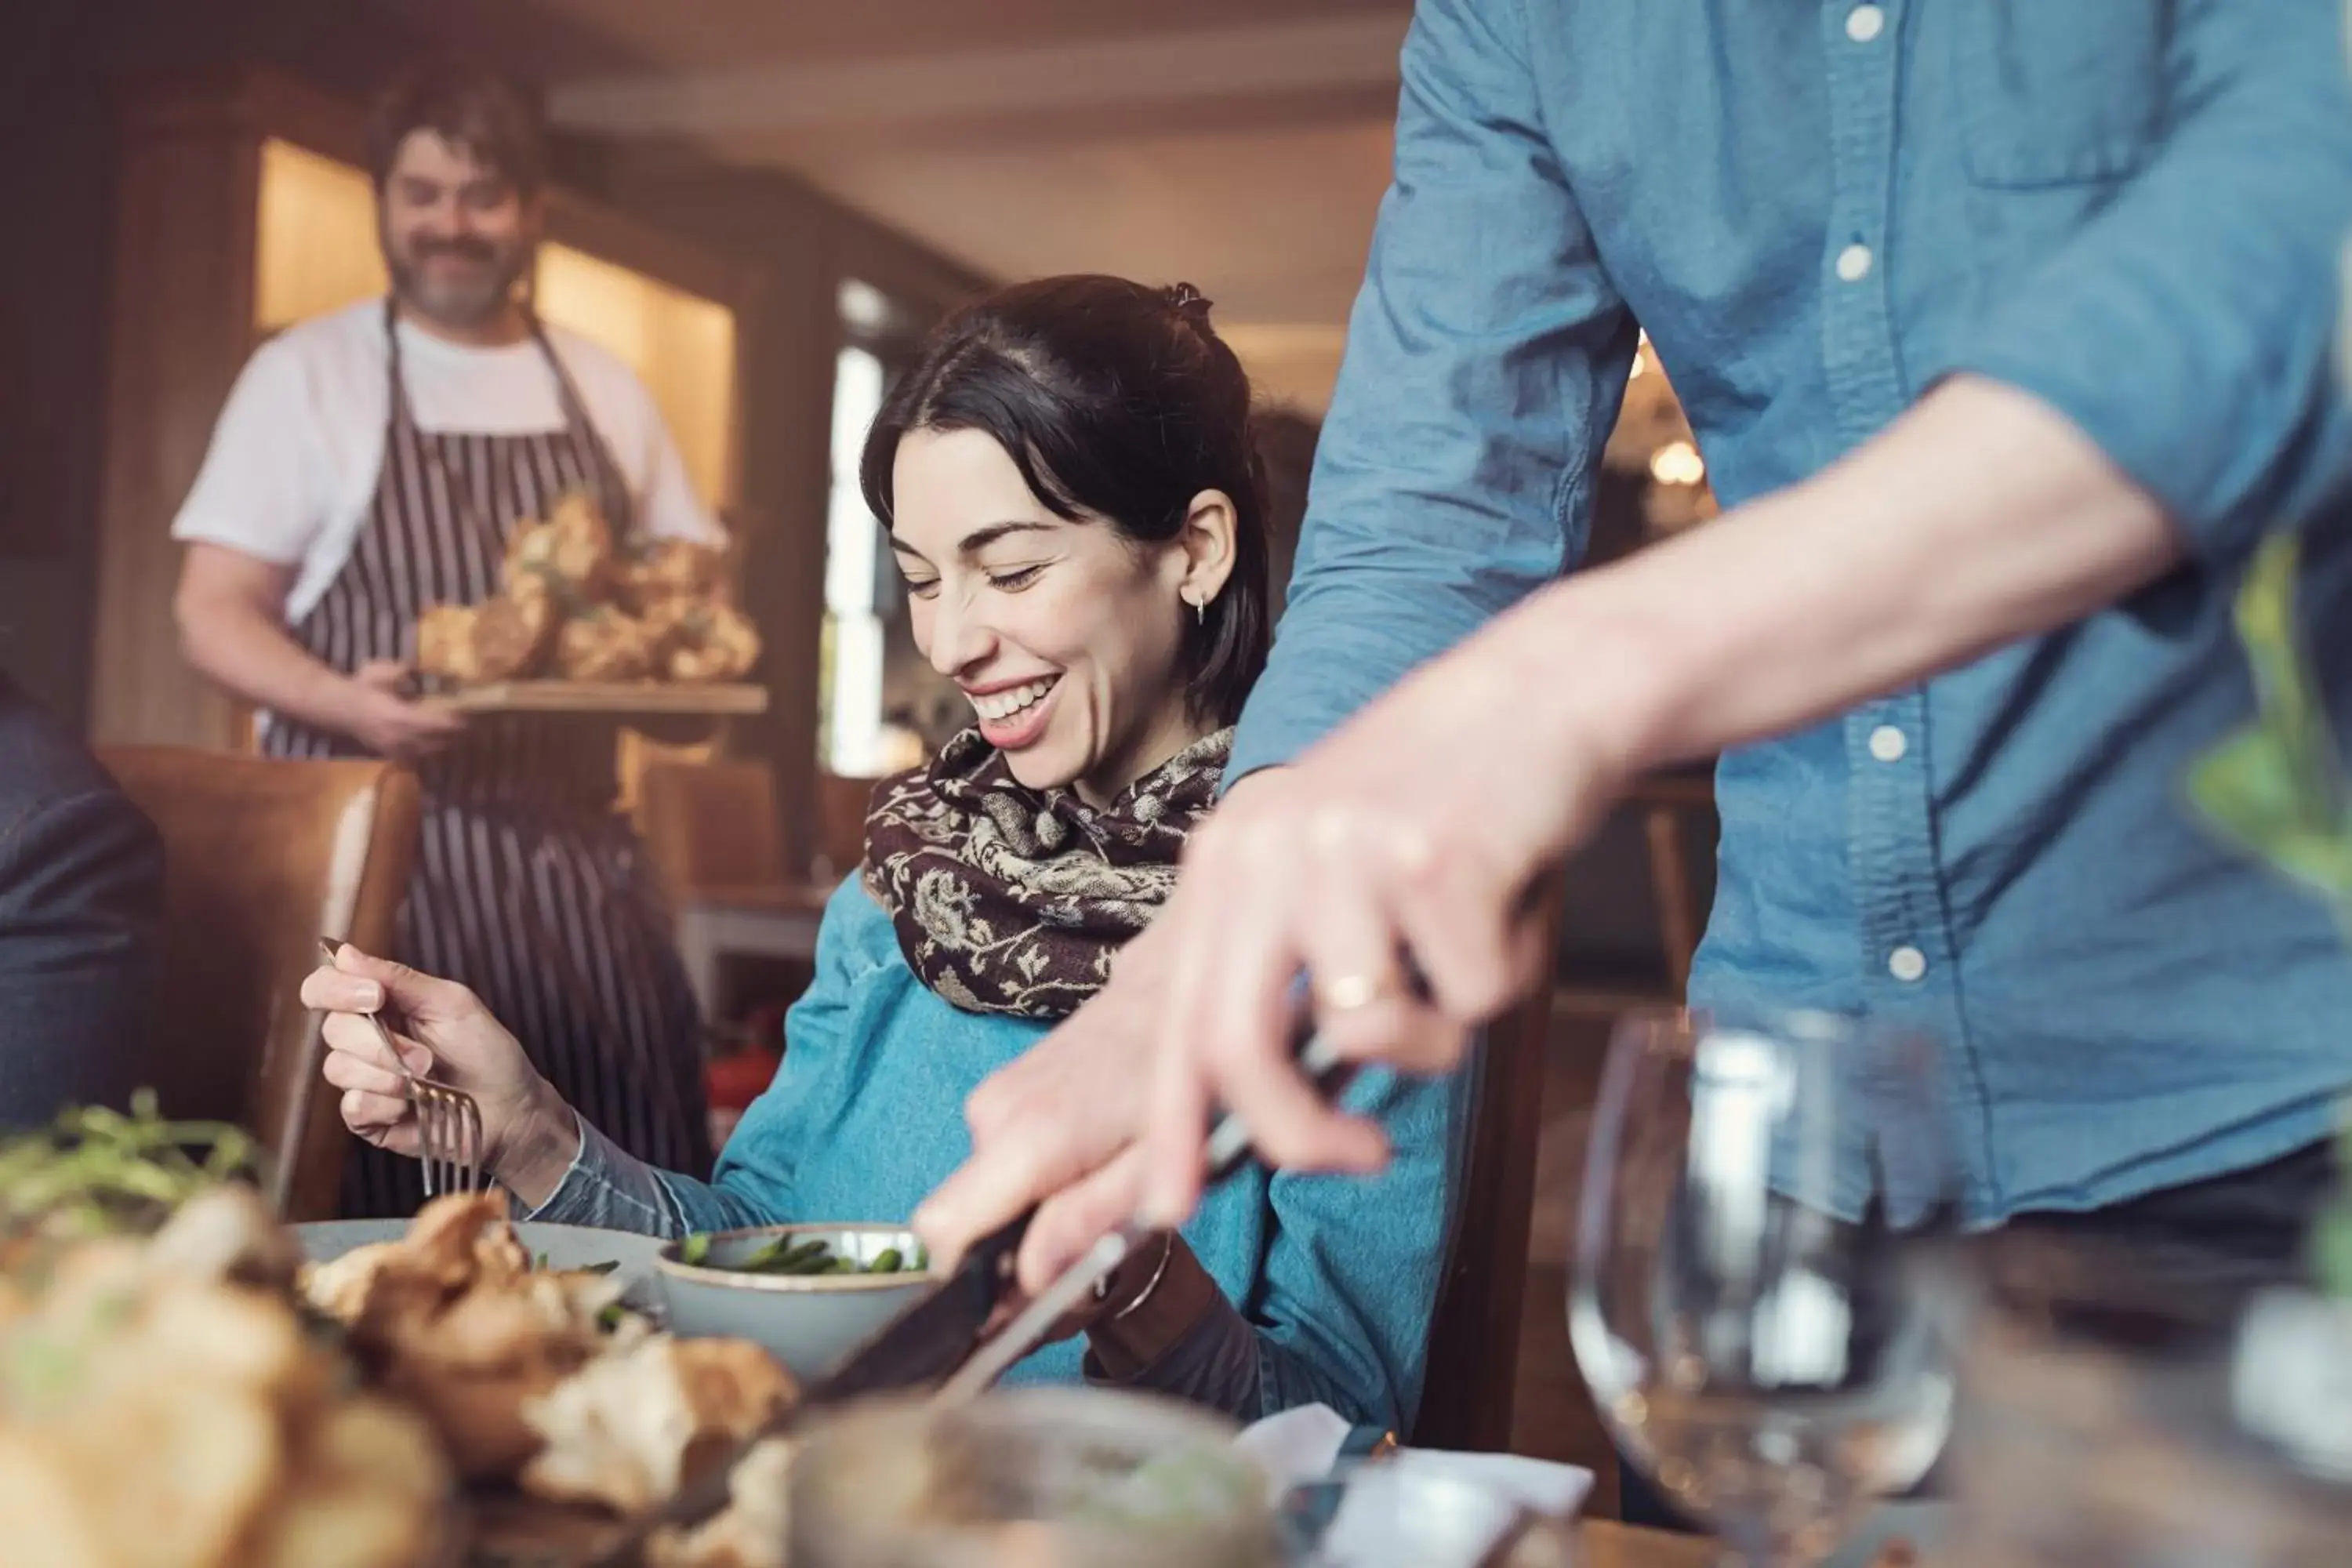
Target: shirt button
1888 744
1864 22
1906 964
1854 263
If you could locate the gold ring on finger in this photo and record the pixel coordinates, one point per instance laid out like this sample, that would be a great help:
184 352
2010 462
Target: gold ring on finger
1350 991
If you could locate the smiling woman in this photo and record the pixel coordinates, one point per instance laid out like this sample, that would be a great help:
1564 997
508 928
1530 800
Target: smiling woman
1072 494
1072 490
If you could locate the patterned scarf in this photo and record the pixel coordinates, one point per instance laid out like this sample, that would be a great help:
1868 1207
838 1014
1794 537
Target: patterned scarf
1007 900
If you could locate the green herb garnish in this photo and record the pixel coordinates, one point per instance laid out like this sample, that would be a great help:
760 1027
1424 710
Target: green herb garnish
785 1255
2276 790
98 1171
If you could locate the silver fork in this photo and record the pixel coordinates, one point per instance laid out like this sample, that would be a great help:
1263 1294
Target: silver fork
448 1122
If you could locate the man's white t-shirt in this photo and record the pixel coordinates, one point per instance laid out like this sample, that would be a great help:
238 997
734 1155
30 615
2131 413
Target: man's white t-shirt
292 466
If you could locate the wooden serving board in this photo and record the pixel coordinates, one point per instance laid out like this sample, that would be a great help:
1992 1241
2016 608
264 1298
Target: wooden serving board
619 697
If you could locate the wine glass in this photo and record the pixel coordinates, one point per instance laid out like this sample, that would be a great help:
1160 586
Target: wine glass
1766 1303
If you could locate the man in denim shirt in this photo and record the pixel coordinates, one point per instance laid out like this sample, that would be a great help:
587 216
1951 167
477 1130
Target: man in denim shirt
2004 325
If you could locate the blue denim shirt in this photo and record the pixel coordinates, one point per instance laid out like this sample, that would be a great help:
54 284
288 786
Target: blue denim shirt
2131 210
1332 1279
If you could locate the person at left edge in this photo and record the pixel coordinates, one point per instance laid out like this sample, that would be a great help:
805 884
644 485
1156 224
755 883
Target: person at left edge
81 914
371 463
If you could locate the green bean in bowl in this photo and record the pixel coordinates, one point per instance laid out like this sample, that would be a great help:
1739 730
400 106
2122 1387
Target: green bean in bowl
789 1252
809 1293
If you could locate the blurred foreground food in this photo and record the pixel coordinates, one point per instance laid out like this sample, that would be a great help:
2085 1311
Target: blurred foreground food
180 1389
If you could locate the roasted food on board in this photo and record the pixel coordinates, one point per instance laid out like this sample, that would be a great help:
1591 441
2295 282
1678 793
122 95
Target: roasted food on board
702 642
605 644
573 605
572 551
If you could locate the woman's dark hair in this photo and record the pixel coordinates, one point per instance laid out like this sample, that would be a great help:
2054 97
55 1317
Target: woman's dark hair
466 105
1116 401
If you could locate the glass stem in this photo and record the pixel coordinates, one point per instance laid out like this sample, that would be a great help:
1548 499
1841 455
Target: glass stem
1749 1546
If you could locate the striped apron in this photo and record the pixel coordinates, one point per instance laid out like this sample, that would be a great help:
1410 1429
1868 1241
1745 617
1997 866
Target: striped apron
530 888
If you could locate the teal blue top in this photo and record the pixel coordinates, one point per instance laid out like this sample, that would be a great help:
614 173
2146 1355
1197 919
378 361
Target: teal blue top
1332 1279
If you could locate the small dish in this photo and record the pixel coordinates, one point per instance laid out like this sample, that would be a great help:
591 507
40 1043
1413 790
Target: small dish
809 1321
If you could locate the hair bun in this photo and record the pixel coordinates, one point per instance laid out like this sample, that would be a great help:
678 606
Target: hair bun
1187 303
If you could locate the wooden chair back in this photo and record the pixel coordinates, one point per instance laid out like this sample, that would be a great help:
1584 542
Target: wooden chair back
1472 1371
841 807
263 857
1667 800
713 828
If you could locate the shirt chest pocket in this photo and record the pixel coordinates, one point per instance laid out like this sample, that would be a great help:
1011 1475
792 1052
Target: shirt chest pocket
2059 92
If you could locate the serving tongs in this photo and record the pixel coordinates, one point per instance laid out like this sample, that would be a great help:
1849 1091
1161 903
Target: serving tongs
937 1342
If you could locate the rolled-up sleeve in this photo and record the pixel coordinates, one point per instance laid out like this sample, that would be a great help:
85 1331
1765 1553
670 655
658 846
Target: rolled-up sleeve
2186 328
1486 356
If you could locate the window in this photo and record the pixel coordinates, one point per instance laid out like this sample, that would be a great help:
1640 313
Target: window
850 659
880 706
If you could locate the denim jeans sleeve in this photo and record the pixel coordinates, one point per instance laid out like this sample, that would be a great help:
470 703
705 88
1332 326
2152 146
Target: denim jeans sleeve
1488 354
2211 274
611 1189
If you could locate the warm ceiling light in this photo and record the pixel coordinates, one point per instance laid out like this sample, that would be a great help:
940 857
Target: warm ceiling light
1677 463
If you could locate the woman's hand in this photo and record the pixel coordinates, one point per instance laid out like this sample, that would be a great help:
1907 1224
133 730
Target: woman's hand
529 1136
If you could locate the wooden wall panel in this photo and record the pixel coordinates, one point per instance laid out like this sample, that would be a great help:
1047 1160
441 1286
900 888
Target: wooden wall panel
804 246
186 185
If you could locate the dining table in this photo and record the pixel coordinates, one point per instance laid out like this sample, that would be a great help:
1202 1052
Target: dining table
516 1534
1605 1543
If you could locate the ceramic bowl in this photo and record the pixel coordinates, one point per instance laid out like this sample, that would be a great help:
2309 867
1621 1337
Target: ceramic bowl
809 1321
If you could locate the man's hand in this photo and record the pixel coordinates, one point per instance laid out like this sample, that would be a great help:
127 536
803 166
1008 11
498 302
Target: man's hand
232 613
1412 831
1411 836
391 725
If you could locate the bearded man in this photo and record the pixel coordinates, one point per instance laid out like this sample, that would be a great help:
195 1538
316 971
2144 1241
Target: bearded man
370 464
